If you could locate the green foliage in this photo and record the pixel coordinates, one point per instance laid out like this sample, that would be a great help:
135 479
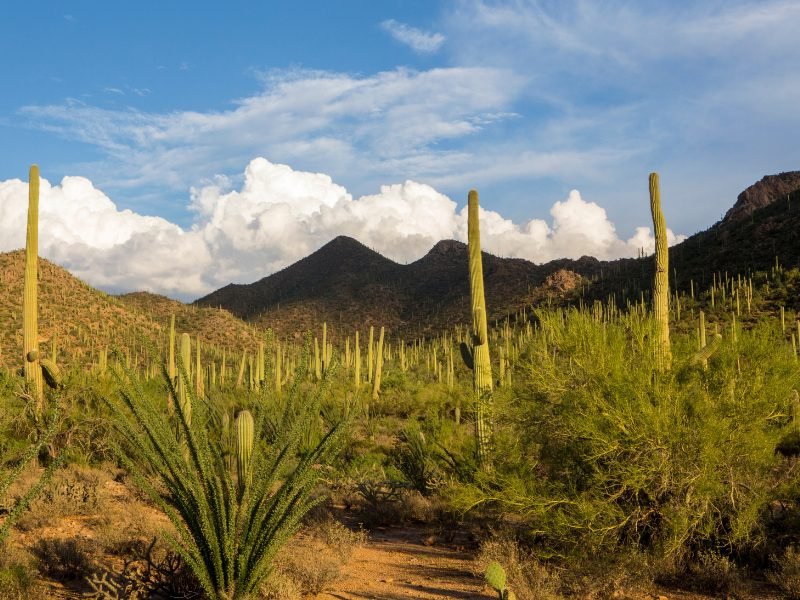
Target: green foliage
603 452
20 463
228 540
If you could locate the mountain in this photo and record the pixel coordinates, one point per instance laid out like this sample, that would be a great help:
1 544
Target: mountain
349 286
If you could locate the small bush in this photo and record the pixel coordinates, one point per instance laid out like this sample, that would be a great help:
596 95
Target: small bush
525 575
72 491
63 559
714 573
786 575
316 560
16 578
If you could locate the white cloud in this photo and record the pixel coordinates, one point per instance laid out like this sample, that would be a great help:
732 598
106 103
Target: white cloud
416 39
278 216
361 127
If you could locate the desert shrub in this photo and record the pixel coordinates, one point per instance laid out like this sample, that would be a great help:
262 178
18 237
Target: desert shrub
416 458
786 573
149 571
17 581
67 559
597 451
525 575
73 490
315 561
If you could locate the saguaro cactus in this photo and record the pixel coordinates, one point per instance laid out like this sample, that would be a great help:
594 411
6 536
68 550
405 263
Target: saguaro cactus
183 379
244 449
661 283
30 315
376 382
481 363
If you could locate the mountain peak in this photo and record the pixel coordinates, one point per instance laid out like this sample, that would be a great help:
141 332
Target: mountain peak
762 193
448 248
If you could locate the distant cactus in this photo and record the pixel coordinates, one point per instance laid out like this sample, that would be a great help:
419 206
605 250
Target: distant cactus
661 283
482 366
376 381
183 380
198 372
357 367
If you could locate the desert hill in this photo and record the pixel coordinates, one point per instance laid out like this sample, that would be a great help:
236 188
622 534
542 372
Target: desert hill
82 320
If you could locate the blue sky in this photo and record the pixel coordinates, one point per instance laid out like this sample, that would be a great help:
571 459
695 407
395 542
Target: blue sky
525 100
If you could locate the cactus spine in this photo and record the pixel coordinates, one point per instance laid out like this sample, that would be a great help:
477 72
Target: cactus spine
482 366
244 449
661 283
30 323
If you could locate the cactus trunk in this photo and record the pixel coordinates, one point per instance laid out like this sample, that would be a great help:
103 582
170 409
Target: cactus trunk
482 367
244 449
661 283
376 383
30 315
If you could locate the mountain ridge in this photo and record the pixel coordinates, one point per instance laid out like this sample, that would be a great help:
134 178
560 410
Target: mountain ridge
433 291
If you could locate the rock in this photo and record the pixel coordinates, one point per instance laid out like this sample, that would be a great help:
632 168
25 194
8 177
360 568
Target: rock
771 188
562 281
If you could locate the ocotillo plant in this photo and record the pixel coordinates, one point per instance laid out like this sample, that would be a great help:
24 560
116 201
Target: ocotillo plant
481 363
661 283
30 315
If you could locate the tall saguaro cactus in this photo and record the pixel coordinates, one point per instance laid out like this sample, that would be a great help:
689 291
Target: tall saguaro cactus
661 283
481 363
30 316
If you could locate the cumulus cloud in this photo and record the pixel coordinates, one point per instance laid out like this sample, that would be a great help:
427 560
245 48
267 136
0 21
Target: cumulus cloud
416 39
277 216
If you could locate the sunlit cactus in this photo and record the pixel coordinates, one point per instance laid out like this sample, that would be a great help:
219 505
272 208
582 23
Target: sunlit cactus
661 283
183 394
244 449
376 381
30 315
479 354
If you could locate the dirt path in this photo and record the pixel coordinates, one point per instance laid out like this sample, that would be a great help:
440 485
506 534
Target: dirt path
407 563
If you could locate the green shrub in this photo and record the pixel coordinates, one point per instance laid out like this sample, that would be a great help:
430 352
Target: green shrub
602 453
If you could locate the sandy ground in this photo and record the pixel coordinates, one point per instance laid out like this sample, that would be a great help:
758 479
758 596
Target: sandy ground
407 563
